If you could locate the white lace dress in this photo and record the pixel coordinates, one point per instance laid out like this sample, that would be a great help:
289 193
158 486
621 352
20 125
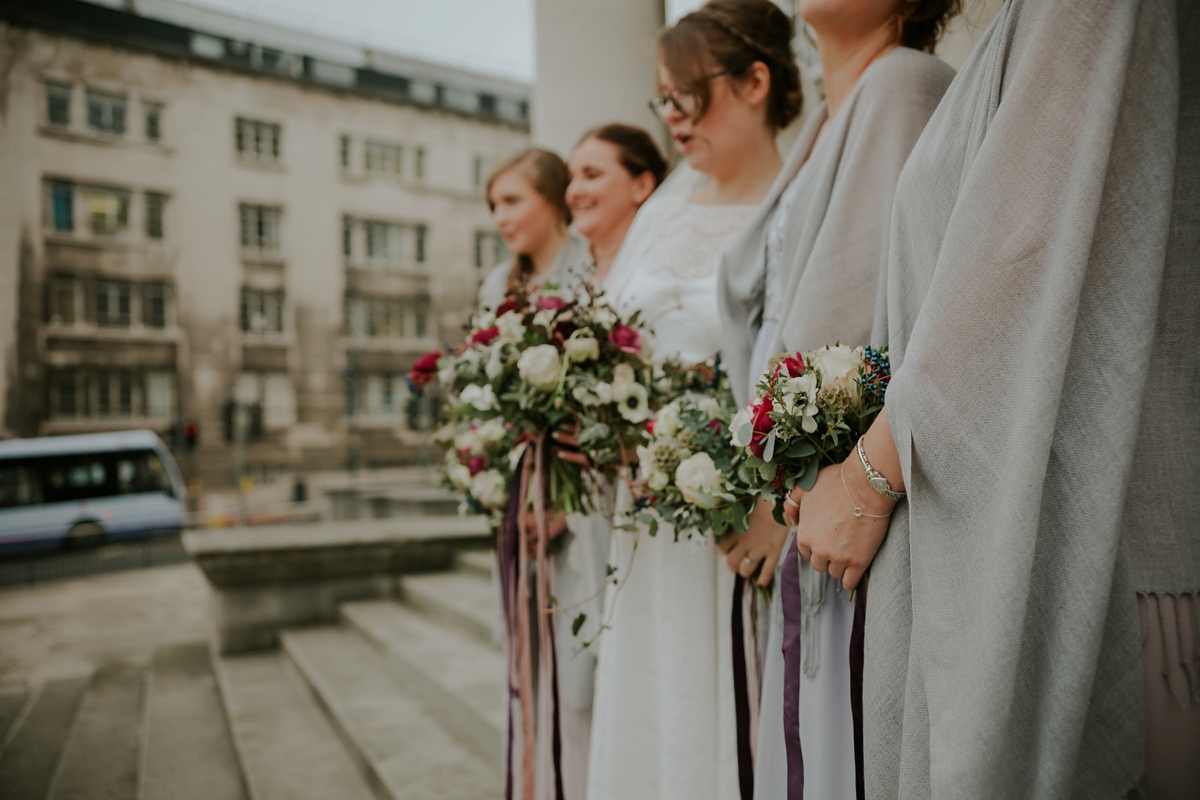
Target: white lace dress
663 718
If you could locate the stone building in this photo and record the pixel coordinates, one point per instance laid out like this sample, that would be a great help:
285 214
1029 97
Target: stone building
199 209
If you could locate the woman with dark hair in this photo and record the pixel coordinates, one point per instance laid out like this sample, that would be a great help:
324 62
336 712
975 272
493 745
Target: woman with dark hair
663 719
1028 496
810 271
614 168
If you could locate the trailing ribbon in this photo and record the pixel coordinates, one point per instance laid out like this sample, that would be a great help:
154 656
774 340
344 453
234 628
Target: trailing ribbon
790 599
857 634
745 686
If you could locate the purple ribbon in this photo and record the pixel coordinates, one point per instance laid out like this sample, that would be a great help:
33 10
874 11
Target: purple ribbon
741 692
857 633
789 598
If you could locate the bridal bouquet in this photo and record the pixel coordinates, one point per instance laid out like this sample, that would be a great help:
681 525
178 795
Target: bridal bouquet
556 362
479 461
689 473
808 411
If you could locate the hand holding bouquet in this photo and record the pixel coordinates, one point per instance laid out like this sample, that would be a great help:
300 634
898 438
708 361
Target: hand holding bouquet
808 411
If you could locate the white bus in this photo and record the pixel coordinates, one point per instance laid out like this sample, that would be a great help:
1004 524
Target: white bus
85 489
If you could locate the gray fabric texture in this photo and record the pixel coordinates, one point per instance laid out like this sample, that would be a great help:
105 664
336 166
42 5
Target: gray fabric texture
835 251
1042 313
572 265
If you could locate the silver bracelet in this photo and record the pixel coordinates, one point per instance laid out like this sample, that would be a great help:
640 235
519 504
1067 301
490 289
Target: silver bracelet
874 478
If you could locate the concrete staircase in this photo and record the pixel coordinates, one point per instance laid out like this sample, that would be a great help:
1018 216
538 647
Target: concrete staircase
400 699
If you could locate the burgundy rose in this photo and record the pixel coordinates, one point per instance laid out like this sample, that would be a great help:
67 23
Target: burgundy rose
763 424
626 339
424 371
484 337
794 365
715 425
509 304
476 464
562 331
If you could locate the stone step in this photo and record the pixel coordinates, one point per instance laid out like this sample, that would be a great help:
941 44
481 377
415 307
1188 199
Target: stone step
481 562
287 748
399 745
101 756
463 599
460 678
12 700
30 752
188 751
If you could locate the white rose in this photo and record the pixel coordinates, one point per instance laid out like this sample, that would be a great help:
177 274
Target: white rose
582 349
604 317
491 431
481 397
495 360
666 422
511 325
707 404
539 366
837 363
635 405
488 488
657 481
485 320
446 376
742 427
544 317
595 395
699 481
469 441
458 474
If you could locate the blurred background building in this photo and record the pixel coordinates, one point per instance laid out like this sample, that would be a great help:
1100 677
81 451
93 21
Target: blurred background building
218 228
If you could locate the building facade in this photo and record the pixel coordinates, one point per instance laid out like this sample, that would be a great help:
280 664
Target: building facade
201 212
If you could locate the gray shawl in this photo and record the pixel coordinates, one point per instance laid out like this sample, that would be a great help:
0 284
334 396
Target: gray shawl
835 247
1044 329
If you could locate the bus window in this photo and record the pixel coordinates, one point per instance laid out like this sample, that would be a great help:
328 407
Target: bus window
19 486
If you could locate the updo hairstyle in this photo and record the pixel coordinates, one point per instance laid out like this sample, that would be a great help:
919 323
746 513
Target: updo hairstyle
636 150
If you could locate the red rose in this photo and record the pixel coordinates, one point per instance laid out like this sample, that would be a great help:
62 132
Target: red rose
626 339
551 302
793 364
476 465
715 425
763 424
650 426
424 371
484 337
509 304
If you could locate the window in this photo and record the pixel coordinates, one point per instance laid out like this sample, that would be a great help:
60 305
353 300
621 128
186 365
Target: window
487 104
422 317
374 317
58 104
108 210
106 113
262 310
155 203
489 250
260 227
419 164
258 141
62 206
64 390
523 109
345 152
477 173
388 241
114 393
160 395
112 303
153 115
347 236
383 159
63 294
421 230
154 304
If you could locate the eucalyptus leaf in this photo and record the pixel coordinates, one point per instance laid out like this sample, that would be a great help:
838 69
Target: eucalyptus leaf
809 477
769 449
577 623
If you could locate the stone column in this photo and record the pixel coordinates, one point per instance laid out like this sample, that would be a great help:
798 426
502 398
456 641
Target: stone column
595 64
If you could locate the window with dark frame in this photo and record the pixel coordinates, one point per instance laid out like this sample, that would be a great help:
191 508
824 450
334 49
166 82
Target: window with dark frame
345 152
258 141
347 236
114 393
62 206
262 310
383 159
65 391
58 103
63 300
153 116
112 303
108 210
154 304
421 236
155 204
419 164
260 227
106 112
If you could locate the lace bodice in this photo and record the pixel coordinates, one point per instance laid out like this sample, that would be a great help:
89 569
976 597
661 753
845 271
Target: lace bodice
673 281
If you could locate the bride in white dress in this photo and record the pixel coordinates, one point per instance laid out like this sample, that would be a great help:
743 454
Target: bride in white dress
663 718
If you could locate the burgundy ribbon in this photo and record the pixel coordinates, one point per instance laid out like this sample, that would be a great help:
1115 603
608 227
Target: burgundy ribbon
857 634
789 598
741 693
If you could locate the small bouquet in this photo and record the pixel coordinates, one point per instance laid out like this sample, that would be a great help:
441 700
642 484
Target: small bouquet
690 473
555 362
480 462
808 411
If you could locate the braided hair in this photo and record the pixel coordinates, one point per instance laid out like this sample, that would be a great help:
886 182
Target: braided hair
732 35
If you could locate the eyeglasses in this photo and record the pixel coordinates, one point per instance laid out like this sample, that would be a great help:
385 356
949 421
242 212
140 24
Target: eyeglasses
683 101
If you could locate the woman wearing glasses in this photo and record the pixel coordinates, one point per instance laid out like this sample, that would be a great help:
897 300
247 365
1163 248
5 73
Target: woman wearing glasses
808 272
663 724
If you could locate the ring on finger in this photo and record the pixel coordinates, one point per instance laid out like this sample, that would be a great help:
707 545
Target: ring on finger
787 498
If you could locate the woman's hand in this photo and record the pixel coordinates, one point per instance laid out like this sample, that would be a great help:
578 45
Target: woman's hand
556 525
760 544
567 446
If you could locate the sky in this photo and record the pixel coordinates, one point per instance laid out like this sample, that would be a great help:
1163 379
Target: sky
492 36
